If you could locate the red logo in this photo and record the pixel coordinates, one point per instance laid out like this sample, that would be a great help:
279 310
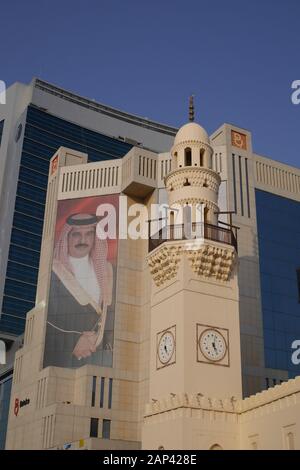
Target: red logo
17 406
54 165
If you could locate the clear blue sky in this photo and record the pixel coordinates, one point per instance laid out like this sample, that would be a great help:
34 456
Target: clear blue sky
239 57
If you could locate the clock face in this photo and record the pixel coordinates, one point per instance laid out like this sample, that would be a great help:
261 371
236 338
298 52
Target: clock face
166 347
213 345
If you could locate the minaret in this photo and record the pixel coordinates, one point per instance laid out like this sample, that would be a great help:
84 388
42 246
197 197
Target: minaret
195 334
192 179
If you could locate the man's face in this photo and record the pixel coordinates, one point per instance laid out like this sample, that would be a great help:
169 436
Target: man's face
81 241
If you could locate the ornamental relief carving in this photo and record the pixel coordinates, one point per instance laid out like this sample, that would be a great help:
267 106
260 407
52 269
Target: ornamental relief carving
164 263
206 261
198 177
212 261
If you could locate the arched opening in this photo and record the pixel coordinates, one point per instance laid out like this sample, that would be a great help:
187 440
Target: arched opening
206 210
187 221
175 160
161 448
216 447
172 220
202 157
290 441
187 156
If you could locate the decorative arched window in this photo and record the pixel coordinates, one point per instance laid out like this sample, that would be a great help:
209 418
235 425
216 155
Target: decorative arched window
187 157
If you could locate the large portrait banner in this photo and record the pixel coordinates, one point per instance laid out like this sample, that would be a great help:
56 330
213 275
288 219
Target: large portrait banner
81 303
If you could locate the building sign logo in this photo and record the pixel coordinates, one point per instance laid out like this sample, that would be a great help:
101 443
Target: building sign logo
19 404
54 165
239 140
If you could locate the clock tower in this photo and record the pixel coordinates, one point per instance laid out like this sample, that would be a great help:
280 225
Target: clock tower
195 358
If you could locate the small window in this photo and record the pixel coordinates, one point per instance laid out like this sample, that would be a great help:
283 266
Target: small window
106 429
110 383
94 427
94 390
102 391
202 157
187 156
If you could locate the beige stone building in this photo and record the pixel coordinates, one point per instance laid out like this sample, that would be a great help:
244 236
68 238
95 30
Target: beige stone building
162 368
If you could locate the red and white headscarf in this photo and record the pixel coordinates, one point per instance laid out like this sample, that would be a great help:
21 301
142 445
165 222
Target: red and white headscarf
98 257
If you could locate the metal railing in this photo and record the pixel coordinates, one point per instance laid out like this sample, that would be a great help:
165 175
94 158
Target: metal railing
192 231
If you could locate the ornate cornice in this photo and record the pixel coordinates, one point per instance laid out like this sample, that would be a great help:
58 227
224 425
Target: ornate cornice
164 263
213 261
207 260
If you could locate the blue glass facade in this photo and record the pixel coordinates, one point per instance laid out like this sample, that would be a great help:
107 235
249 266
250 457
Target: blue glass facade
44 133
278 224
5 389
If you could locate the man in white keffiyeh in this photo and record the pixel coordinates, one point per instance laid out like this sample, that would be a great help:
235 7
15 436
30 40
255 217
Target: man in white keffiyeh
84 278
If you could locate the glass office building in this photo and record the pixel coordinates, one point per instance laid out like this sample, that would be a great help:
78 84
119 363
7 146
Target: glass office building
278 227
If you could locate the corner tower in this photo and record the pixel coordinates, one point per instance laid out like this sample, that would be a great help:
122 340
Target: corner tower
195 334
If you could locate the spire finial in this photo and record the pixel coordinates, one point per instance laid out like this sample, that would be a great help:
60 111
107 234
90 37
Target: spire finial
191 108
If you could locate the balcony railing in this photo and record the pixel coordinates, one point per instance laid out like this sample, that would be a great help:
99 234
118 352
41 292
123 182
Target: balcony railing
192 231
